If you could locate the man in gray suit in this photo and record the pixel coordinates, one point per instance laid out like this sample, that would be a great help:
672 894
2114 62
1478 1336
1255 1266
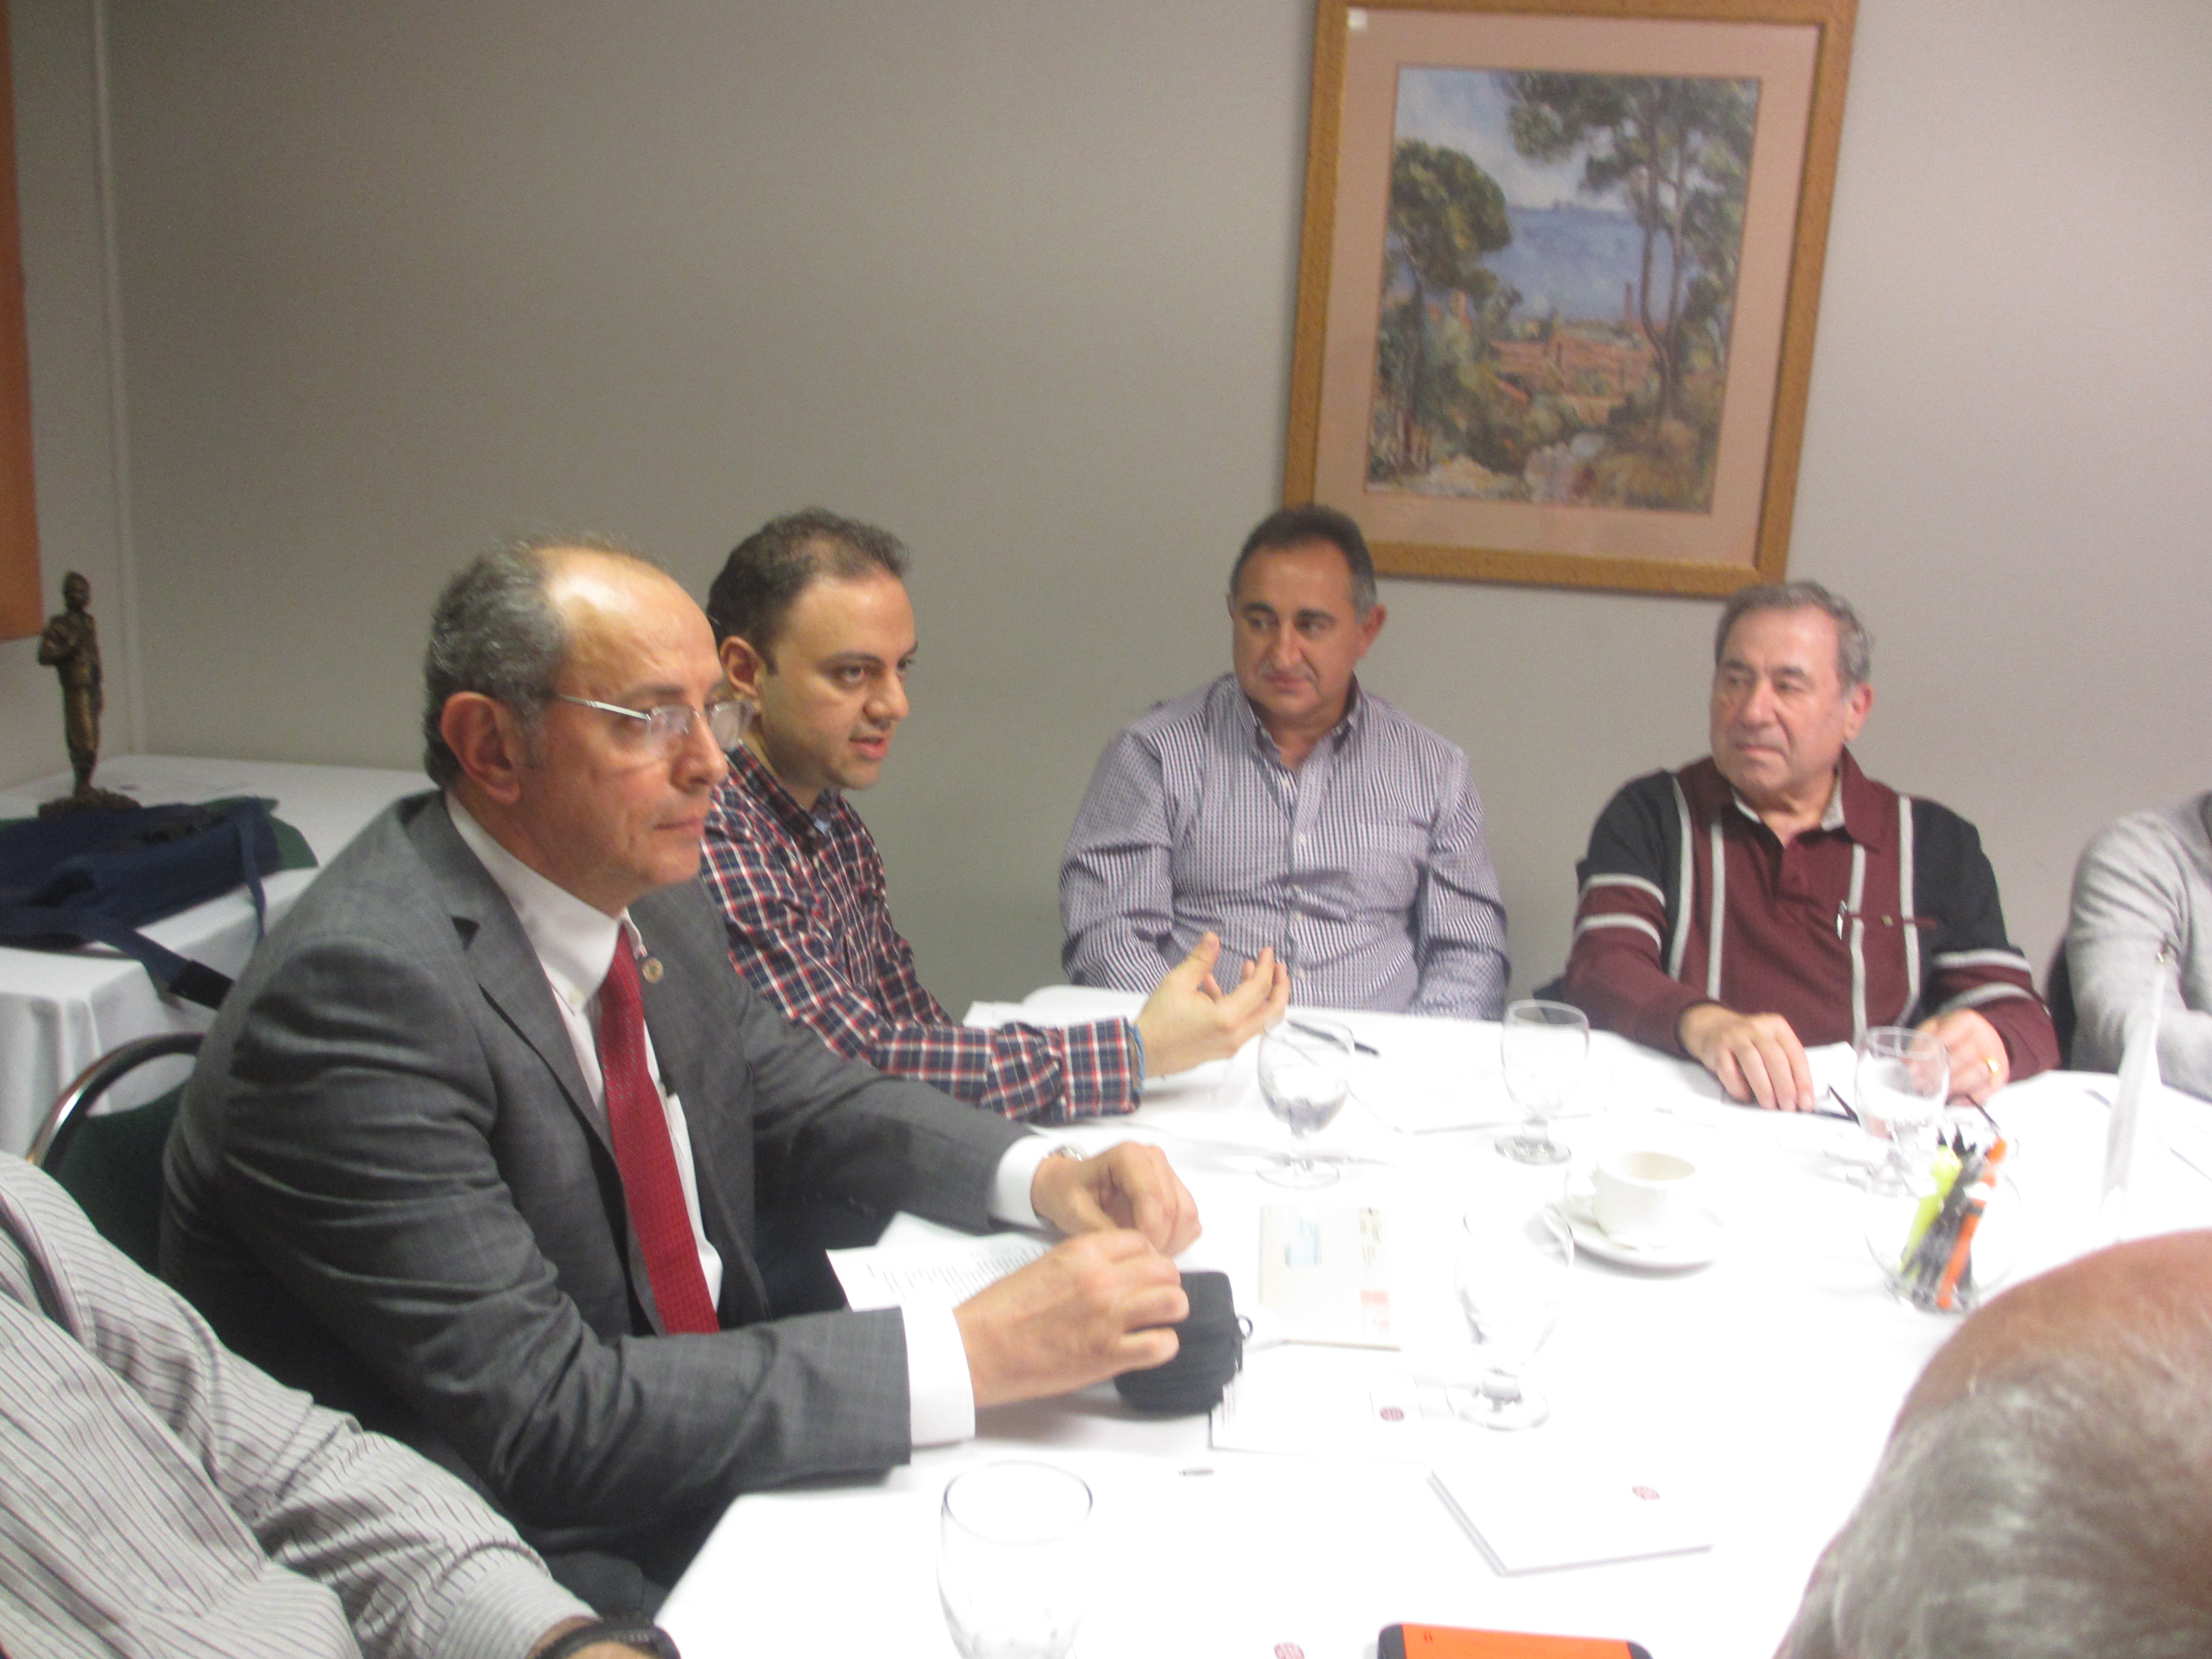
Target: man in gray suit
432 1165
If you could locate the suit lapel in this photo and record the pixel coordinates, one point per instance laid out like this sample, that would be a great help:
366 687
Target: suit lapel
500 955
513 981
678 1010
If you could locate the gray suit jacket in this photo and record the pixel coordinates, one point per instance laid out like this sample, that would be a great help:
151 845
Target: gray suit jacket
388 1160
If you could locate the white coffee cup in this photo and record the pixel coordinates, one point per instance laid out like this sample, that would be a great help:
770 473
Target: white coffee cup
1643 1196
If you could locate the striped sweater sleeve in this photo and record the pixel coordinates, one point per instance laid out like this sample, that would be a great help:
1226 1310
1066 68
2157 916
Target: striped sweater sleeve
1617 966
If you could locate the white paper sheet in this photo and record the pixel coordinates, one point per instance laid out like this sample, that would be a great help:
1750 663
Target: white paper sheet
1317 1402
933 1274
2134 1142
1534 1513
2190 1141
1834 1066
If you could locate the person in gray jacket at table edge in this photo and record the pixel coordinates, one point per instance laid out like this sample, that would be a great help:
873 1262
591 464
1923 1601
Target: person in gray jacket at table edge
474 1148
2139 892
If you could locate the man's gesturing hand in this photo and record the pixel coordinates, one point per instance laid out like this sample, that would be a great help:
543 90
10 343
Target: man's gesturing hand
1189 1020
1130 1185
1072 1318
1755 1056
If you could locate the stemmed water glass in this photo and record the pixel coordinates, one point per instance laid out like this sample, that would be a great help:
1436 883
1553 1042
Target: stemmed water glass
1012 1570
1306 1072
1512 1277
1545 1045
1902 1078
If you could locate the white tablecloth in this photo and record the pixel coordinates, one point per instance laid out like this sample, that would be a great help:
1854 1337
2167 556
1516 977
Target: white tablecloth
1765 1384
60 1011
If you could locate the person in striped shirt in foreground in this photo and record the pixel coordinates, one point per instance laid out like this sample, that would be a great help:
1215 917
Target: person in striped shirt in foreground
1772 896
158 1494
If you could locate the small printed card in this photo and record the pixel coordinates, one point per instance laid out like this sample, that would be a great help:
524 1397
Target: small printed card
1325 1272
1538 1516
1329 1402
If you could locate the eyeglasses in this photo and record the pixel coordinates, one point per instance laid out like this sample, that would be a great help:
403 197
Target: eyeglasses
668 728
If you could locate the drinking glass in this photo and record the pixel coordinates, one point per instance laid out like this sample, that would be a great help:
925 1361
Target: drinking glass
1546 1046
1512 1277
1902 1078
1306 1072
1012 1570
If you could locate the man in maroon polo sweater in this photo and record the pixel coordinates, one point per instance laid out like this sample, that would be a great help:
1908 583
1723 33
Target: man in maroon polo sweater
1772 896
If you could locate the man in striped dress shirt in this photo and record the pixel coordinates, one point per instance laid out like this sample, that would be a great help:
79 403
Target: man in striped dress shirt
158 1494
816 632
1772 896
1285 807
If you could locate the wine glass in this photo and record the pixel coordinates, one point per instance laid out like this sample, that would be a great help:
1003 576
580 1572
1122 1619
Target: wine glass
1902 1079
1546 1046
1511 1278
1306 1072
1012 1571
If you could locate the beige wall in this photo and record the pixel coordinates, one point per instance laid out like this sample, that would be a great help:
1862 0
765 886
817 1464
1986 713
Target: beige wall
65 302
1017 280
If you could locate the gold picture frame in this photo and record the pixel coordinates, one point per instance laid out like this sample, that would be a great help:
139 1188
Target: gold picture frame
1480 430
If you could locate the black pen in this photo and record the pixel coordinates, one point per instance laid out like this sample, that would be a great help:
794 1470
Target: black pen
1315 1031
1846 1112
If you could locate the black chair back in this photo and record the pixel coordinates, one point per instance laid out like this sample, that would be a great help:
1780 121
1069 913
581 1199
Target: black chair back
111 1163
2058 995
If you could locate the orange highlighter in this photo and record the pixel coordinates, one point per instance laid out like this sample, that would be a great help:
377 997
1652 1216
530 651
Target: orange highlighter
1445 1642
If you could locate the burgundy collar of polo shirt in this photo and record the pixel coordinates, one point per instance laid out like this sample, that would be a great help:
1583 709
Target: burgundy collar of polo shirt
750 774
1856 805
1869 810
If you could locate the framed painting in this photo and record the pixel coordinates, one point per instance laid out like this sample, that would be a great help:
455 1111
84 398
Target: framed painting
1558 284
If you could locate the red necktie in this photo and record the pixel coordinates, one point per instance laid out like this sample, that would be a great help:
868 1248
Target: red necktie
646 1157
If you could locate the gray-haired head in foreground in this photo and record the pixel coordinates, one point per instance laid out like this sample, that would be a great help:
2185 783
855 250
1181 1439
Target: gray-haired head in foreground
1854 650
2061 1515
1294 526
767 572
494 630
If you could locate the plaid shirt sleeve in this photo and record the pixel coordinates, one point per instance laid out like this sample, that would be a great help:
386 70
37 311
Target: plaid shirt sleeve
788 948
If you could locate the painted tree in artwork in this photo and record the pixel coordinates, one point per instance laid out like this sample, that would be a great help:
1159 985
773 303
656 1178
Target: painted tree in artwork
1677 151
1712 233
1446 213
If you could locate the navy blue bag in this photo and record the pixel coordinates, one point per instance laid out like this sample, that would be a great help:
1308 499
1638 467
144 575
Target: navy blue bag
99 876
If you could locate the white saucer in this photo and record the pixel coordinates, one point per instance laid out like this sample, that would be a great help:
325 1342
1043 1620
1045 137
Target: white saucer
1695 1248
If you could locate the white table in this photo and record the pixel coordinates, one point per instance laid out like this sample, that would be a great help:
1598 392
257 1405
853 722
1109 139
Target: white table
59 1011
1766 1381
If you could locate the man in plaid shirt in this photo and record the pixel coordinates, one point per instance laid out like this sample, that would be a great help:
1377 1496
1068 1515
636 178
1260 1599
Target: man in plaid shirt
817 633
